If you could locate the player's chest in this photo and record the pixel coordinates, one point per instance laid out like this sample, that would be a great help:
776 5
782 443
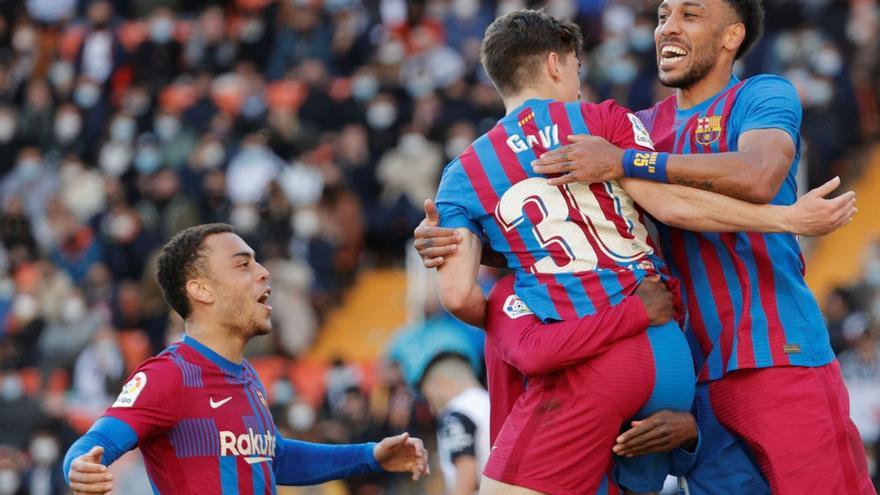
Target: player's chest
236 406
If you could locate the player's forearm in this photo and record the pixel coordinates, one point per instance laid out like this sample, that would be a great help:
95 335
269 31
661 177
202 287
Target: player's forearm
704 211
459 292
739 174
305 463
466 303
115 436
538 348
466 482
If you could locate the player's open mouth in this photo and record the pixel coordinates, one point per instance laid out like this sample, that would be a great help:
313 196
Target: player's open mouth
671 54
264 299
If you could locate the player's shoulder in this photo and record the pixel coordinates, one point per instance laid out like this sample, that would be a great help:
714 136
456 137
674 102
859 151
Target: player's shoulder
665 105
156 374
166 365
768 85
603 109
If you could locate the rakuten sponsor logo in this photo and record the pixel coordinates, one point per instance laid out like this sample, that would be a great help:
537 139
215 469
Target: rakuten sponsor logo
246 444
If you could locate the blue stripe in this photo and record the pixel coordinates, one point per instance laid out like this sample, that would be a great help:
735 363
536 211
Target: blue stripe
576 117
576 292
228 475
153 485
259 478
707 306
603 486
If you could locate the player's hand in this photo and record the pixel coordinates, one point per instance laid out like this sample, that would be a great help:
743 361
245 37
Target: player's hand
587 159
662 431
399 454
813 215
432 241
88 475
658 300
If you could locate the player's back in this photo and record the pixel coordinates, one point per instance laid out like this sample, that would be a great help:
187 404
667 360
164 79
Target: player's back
575 248
202 422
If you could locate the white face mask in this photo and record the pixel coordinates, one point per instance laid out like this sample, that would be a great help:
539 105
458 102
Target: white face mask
167 127
9 482
122 129
44 450
161 29
87 95
73 309
381 115
456 146
23 39
67 126
212 155
245 218
7 127
300 417
412 143
115 158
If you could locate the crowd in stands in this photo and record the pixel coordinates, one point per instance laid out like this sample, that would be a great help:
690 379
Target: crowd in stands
317 128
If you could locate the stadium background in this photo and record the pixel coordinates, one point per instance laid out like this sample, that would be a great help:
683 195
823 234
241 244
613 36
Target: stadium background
317 128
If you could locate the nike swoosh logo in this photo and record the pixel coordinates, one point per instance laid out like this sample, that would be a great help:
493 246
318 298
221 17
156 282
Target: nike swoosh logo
215 405
255 460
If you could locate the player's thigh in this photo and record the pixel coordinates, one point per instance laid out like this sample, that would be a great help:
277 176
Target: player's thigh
488 486
796 421
724 465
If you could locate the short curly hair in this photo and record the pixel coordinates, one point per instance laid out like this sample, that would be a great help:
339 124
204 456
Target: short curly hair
513 43
751 14
181 260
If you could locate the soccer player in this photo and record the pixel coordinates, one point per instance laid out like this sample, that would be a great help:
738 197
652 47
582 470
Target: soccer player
765 365
461 406
576 249
198 410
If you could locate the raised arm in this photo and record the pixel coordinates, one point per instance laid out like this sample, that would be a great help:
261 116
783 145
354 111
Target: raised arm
460 293
695 209
536 348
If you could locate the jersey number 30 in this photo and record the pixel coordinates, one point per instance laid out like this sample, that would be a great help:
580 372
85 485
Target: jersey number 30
556 229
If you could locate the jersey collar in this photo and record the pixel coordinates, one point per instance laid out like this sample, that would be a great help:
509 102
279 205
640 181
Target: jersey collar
222 362
683 114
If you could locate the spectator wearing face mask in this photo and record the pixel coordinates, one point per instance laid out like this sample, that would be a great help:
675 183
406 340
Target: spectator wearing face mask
156 61
101 52
44 476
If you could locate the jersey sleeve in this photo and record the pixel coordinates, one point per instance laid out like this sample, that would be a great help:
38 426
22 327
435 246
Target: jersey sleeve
535 348
150 401
459 434
454 187
617 125
769 102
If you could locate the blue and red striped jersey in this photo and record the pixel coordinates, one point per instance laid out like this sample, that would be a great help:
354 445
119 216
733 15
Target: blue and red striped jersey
575 248
748 305
202 422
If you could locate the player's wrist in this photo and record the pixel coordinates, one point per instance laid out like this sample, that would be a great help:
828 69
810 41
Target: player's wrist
649 165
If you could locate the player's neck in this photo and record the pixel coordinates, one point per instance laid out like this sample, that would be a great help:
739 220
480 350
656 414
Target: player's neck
705 88
513 102
218 340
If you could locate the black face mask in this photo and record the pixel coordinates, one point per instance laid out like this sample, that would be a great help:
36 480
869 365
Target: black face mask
100 25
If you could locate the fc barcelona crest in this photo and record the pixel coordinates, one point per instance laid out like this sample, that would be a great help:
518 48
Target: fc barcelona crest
708 130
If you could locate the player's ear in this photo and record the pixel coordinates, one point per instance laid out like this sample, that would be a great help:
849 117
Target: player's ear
554 66
199 291
733 36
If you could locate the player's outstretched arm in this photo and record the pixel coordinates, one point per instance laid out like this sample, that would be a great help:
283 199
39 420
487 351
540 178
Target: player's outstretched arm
85 465
305 463
535 348
695 209
460 293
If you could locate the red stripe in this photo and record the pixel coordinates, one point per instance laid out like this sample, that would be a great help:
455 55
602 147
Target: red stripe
245 477
595 290
268 479
489 199
745 352
559 116
679 254
530 128
767 292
